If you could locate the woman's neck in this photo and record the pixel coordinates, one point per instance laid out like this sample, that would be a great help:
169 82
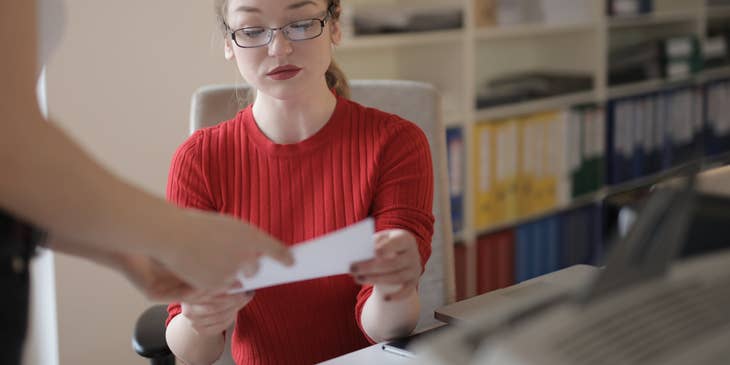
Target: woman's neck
293 120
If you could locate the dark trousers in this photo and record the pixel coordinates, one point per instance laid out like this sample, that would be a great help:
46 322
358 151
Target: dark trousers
13 311
17 245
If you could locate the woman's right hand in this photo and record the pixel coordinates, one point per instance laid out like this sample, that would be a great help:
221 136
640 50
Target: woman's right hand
209 250
211 315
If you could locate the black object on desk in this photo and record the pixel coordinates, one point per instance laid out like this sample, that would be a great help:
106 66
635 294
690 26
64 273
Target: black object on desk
401 346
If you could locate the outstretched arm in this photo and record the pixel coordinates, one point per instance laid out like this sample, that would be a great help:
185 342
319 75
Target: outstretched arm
51 182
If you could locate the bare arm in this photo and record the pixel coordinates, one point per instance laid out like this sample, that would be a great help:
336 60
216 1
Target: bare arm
196 335
52 183
385 320
393 307
49 180
192 347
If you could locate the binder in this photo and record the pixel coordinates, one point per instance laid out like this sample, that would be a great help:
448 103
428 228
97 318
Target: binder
522 253
505 242
495 261
460 270
455 155
487 264
486 208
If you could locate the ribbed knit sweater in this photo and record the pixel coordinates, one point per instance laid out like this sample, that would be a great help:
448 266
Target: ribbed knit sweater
361 163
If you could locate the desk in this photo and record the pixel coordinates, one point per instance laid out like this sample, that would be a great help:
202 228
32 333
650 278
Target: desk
369 355
498 303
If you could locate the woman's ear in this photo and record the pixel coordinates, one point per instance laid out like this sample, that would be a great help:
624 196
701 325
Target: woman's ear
335 33
228 49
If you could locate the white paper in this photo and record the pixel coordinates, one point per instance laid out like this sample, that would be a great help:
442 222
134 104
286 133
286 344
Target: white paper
331 254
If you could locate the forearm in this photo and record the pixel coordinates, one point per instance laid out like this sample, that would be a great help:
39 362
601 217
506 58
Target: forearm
54 184
111 259
384 320
191 347
47 179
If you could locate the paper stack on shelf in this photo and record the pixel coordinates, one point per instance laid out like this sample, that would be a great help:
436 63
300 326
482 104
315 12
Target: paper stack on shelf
530 85
715 48
514 12
629 7
673 58
718 2
398 19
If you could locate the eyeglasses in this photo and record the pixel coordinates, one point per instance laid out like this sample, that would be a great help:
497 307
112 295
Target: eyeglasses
301 30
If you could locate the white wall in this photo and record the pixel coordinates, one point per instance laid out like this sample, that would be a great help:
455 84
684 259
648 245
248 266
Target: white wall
120 84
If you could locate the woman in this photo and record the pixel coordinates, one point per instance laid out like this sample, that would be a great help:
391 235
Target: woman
300 162
49 182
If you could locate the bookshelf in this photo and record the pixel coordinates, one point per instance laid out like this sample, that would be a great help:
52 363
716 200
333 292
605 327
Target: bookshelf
458 62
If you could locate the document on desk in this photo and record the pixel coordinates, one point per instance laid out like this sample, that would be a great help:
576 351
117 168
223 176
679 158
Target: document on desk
331 254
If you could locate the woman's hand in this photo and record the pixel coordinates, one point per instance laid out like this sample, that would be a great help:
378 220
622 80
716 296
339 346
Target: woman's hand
396 268
213 314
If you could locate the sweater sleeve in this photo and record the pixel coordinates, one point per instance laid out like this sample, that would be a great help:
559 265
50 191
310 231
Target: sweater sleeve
187 187
404 192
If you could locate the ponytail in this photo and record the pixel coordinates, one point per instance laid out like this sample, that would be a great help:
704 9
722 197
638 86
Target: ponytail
337 80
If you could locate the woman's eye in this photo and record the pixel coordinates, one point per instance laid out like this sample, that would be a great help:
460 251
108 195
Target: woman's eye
253 32
303 25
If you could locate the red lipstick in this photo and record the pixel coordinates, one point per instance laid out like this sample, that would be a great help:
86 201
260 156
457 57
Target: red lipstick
285 72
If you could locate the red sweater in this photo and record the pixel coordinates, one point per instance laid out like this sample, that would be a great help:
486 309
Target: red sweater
362 163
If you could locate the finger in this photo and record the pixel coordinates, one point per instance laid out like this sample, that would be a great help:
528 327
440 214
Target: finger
381 236
250 268
382 266
392 247
269 246
407 290
392 278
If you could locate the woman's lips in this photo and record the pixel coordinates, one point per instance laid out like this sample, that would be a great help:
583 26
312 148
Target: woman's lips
284 72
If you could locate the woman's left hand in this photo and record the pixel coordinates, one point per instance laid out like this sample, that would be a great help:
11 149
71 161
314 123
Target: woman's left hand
396 268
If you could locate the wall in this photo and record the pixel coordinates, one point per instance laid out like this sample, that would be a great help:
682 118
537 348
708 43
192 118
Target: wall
120 84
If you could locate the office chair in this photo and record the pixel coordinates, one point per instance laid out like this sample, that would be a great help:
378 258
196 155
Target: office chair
414 101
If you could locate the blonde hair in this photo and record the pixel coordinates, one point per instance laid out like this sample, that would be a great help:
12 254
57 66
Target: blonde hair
336 79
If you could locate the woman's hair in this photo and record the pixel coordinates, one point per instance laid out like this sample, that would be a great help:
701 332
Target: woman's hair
335 77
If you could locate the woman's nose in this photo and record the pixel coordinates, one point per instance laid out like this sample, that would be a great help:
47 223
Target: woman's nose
280 44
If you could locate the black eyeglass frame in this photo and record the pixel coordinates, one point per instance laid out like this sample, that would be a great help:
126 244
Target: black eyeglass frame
323 22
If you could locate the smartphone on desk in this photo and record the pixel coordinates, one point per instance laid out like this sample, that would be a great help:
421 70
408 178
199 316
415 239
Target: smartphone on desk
400 346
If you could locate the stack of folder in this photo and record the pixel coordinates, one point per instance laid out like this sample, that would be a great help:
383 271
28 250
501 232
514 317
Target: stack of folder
717 127
653 132
538 247
528 165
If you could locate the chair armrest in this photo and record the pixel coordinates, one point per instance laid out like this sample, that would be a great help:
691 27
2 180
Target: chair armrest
149 333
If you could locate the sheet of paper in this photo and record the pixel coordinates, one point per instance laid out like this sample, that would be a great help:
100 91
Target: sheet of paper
328 255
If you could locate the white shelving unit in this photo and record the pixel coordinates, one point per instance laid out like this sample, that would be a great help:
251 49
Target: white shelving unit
457 62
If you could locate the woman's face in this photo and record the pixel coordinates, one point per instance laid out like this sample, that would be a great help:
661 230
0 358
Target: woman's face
284 69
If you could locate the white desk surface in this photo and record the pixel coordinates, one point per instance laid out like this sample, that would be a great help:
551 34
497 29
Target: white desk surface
370 355
566 279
